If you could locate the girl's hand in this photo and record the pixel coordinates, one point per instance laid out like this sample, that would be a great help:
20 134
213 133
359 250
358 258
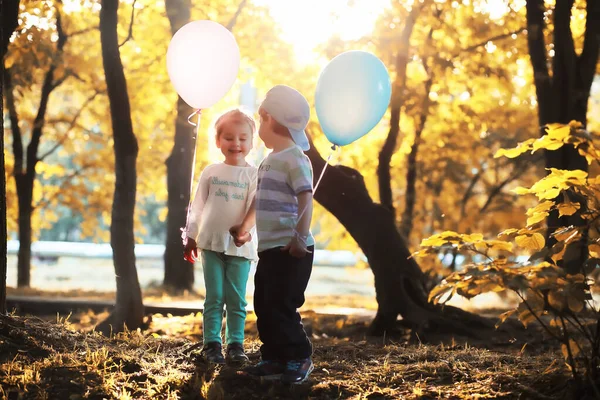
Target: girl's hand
190 252
240 235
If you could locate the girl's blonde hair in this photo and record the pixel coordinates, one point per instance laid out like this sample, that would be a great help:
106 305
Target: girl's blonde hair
235 115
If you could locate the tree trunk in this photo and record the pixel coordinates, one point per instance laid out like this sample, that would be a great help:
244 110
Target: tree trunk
564 96
24 168
399 282
129 309
9 12
24 183
179 274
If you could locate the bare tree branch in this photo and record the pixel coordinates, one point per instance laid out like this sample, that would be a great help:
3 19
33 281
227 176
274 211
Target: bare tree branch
411 172
66 179
518 171
84 31
233 19
490 39
398 88
469 192
72 125
47 88
14 123
130 32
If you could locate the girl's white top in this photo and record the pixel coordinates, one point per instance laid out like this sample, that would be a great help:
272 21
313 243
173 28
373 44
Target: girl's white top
223 196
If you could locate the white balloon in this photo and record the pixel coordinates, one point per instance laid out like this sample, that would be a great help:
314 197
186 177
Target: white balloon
203 60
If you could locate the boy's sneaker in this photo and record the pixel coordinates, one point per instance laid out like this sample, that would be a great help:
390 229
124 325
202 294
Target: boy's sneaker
267 370
297 371
235 354
212 353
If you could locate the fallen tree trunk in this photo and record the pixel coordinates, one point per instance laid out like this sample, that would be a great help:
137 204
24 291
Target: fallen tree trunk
399 281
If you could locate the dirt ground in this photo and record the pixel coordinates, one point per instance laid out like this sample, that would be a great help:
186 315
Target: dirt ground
60 357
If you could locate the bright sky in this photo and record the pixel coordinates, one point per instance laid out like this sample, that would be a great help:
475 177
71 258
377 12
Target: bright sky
308 23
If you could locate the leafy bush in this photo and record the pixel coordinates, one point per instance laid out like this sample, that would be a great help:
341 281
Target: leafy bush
559 301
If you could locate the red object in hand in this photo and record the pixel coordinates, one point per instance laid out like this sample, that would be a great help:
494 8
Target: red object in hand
190 252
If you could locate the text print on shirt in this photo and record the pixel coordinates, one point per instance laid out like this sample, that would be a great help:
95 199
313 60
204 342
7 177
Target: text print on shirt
216 181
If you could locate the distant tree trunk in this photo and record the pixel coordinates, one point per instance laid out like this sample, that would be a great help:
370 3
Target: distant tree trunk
399 282
9 11
24 170
563 96
410 198
129 309
179 274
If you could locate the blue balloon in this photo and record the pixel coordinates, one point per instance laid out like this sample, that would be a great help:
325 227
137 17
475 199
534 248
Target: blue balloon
353 93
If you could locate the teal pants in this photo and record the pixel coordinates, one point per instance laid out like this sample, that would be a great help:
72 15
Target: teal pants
225 279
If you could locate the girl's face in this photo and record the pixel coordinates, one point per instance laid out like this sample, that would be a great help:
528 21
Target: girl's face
235 141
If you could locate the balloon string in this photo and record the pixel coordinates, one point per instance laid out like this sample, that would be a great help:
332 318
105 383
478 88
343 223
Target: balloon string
184 231
333 149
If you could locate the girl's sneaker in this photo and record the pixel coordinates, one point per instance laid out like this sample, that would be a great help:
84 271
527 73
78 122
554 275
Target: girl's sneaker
235 354
212 353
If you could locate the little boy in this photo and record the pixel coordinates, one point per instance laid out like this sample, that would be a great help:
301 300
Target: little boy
283 211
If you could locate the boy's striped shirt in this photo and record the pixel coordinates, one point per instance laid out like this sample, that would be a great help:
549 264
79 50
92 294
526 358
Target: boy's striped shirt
282 176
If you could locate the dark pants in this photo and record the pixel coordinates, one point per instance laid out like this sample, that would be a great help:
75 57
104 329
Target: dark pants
279 285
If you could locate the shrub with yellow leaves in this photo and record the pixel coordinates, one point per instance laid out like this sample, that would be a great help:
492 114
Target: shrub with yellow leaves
521 260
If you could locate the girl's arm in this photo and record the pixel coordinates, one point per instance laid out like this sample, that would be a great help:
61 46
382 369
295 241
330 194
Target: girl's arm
241 232
196 208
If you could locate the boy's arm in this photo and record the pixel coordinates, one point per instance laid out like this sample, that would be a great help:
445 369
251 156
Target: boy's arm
305 203
297 246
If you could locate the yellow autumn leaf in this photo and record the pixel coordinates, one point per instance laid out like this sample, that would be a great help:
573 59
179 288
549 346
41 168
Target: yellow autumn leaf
522 191
535 218
472 238
549 194
541 207
594 250
576 305
557 300
437 292
558 131
504 316
508 232
547 143
564 350
531 242
514 152
567 208
577 176
499 245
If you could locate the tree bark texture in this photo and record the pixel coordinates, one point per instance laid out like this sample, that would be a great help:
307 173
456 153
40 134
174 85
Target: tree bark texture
399 282
563 95
179 274
9 11
129 309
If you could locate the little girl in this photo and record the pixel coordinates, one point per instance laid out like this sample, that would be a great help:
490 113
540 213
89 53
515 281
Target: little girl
223 196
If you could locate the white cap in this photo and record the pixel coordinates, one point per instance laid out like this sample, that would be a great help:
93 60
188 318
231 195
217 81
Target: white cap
290 109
